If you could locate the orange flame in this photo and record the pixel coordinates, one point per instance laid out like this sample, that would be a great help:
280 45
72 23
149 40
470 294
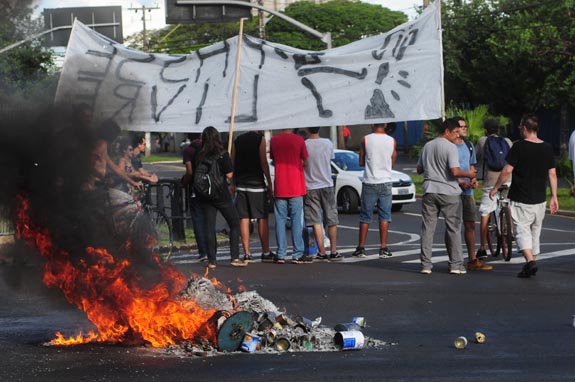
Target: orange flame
108 290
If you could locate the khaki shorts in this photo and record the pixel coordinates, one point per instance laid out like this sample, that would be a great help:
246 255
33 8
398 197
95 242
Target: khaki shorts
318 201
468 208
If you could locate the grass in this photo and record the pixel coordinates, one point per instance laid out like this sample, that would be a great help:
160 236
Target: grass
566 202
161 158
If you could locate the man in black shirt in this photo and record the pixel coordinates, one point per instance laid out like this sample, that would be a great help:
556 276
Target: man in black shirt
531 161
251 172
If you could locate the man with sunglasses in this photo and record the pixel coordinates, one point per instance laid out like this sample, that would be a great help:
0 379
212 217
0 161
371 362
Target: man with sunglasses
468 162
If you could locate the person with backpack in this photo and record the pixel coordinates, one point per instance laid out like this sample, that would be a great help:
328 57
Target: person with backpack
532 163
212 171
467 162
491 151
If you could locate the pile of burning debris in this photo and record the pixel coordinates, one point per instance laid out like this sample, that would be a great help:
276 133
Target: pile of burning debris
250 323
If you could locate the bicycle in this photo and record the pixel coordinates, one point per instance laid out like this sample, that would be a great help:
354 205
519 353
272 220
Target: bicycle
146 227
499 227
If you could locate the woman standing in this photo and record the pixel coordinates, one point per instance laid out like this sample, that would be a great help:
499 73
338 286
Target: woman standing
213 151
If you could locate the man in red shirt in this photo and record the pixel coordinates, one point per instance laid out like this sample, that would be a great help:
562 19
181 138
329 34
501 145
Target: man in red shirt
289 153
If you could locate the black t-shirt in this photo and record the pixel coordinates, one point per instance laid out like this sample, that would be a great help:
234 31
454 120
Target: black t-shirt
531 163
248 170
137 161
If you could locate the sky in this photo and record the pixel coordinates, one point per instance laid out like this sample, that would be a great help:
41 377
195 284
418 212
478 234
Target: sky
155 19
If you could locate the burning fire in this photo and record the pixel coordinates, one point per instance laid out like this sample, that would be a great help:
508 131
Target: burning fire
109 291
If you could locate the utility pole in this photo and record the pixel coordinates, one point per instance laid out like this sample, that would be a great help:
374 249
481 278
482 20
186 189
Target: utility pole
143 8
147 135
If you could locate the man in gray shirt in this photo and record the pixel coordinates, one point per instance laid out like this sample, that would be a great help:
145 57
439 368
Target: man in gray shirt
439 164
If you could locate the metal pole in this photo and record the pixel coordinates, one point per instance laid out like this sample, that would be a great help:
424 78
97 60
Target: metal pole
144 34
325 37
37 35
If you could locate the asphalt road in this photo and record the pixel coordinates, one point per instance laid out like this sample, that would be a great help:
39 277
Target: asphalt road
528 322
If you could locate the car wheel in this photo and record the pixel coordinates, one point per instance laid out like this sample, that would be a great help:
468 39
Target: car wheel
349 200
396 207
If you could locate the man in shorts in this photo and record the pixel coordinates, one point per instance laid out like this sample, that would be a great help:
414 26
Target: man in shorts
319 203
251 172
489 177
532 162
377 153
467 162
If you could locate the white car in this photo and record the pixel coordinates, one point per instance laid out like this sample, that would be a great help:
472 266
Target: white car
348 175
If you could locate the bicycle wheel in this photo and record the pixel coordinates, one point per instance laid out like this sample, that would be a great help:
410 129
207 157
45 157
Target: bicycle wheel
164 242
493 237
506 234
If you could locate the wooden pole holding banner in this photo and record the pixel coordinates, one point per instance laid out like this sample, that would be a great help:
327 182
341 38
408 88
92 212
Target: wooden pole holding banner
235 91
442 66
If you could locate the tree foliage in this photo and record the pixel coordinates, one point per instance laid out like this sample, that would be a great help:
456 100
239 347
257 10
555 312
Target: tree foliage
347 21
515 55
26 69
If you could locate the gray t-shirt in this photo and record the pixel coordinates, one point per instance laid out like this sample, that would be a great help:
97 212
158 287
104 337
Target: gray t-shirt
438 157
318 167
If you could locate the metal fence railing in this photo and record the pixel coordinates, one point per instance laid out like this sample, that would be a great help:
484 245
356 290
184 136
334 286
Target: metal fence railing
6 223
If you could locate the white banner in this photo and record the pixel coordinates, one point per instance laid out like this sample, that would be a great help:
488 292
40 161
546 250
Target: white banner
395 76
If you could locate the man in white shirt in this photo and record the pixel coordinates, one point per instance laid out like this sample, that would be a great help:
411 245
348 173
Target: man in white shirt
377 154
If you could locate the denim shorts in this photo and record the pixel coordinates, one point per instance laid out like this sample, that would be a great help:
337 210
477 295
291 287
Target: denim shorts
373 195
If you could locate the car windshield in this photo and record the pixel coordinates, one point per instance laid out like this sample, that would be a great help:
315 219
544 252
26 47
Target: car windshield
348 161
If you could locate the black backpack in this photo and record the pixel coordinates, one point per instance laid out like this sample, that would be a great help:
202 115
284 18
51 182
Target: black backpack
495 152
208 182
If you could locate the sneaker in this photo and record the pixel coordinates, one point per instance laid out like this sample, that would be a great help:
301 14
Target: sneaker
305 259
322 257
211 265
481 254
277 260
529 269
335 257
203 258
359 252
384 253
425 271
269 258
248 258
478 265
238 263
457 271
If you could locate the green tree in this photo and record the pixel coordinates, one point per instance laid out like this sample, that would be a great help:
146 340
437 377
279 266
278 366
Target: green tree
25 71
515 55
347 21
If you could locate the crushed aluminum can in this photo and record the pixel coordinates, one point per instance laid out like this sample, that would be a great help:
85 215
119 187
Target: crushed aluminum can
270 337
251 343
359 320
349 340
266 321
480 338
460 342
282 344
306 322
